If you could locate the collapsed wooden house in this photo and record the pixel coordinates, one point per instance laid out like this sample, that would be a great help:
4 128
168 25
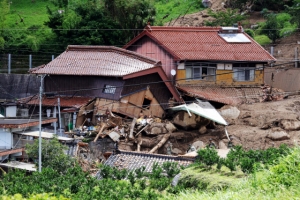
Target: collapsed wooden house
121 81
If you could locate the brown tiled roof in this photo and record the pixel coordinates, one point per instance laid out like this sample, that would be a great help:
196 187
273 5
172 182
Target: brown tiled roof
72 102
203 43
226 95
132 160
23 123
96 61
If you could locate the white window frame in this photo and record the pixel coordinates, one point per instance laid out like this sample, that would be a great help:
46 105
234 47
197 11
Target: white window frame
192 75
109 89
244 74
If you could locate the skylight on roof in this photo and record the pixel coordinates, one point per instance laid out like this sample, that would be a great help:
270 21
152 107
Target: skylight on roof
235 38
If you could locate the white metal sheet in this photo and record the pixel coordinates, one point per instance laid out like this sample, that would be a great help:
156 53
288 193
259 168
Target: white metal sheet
46 135
203 109
20 165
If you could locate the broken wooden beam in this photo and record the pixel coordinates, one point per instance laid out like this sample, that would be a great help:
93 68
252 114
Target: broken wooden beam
162 142
100 131
132 128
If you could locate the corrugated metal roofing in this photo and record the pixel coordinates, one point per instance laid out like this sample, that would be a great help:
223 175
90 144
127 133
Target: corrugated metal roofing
203 43
73 102
226 95
96 61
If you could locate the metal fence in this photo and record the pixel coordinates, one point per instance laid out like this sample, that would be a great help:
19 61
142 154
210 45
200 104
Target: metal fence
21 64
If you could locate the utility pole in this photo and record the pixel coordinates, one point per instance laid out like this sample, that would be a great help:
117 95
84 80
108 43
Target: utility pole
40 123
59 117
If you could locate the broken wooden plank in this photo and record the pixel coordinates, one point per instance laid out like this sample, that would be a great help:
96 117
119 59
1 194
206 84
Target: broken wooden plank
142 130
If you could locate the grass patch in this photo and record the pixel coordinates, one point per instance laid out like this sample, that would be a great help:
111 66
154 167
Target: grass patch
32 13
204 179
262 39
168 10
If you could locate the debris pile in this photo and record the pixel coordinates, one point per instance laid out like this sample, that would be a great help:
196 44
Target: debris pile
174 135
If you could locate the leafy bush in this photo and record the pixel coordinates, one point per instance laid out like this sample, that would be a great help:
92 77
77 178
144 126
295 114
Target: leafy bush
250 32
53 155
171 168
208 156
156 171
43 196
262 39
160 183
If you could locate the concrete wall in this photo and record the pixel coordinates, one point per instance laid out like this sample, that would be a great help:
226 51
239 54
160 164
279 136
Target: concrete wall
6 139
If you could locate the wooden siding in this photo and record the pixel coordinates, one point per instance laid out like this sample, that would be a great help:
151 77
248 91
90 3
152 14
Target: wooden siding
154 82
151 49
130 105
223 77
90 86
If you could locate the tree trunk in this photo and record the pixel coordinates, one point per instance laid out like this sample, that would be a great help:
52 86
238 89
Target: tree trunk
162 142
150 142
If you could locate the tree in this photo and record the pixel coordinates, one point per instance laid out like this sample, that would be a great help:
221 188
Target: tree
53 155
224 18
294 11
4 10
131 15
85 24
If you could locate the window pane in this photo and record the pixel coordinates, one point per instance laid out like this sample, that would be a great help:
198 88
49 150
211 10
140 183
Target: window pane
188 73
252 75
211 72
197 73
247 75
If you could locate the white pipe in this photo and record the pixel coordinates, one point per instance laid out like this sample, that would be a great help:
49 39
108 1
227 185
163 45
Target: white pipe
40 126
58 106
74 120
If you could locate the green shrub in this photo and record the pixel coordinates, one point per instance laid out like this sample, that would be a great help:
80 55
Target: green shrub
171 168
208 156
53 155
160 183
250 32
156 171
262 39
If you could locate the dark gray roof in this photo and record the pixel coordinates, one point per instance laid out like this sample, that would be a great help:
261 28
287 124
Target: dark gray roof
15 86
132 160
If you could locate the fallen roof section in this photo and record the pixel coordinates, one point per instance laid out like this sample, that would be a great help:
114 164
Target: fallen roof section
45 135
203 109
225 95
23 123
132 160
65 101
20 165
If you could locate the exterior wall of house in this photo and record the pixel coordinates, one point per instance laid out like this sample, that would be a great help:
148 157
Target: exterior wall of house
87 86
223 77
147 47
154 83
142 101
131 105
6 139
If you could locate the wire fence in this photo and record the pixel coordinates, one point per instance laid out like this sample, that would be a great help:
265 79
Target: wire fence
21 64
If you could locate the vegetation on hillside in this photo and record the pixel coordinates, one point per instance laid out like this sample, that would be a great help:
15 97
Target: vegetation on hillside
269 172
48 26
